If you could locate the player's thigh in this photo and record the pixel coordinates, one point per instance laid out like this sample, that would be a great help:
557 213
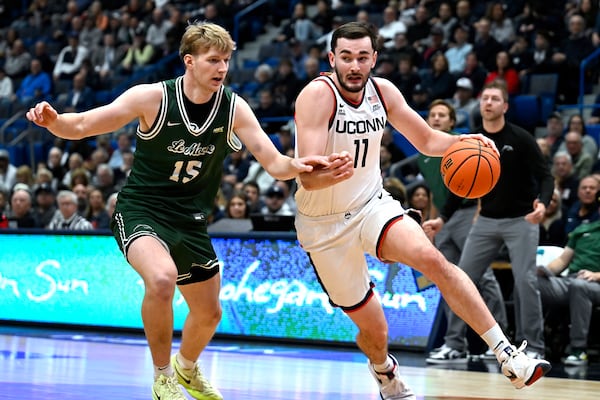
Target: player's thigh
343 273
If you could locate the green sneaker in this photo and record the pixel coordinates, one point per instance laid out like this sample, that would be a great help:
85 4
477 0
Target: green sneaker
578 357
194 382
166 388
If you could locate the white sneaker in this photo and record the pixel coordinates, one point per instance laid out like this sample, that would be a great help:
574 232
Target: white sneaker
521 369
447 355
391 386
166 388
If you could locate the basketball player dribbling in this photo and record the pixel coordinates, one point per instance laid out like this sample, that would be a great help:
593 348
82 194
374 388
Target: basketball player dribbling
338 221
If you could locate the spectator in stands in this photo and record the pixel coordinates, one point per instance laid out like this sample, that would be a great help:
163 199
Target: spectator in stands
263 80
505 70
458 50
385 67
420 99
486 46
284 140
299 27
82 191
385 161
521 56
158 28
139 55
96 212
387 140
67 217
40 51
237 206
405 78
90 36
20 214
402 48
475 71
582 161
552 227
69 59
267 107
572 51
585 209
235 169
391 25
75 163
7 92
420 199
310 69
430 47
324 41
501 26
324 16
565 179
111 203
418 31
124 143
106 59
445 20
286 85
275 202
104 180
554 131
25 176
439 82
8 172
122 172
542 54
36 86
465 105
79 98
54 163
579 290
45 205
17 60
576 123
464 17
253 197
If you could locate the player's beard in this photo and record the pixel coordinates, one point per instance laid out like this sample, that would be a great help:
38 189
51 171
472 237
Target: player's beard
346 87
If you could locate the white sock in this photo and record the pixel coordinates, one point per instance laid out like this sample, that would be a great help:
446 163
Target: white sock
386 366
496 340
184 362
167 370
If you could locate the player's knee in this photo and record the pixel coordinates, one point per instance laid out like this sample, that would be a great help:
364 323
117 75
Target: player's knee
161 285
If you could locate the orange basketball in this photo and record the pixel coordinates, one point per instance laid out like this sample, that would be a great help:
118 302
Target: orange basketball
469 169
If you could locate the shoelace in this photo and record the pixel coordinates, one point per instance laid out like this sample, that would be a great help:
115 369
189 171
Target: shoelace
172 385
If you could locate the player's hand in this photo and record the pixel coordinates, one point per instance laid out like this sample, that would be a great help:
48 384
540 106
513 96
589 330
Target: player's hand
309 163
537 215
342 165
42 114
487 142
431 227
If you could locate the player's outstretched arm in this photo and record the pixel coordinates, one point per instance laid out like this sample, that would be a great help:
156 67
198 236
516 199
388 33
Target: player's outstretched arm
140 101
279 166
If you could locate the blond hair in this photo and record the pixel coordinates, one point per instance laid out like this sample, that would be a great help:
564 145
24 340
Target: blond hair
199 37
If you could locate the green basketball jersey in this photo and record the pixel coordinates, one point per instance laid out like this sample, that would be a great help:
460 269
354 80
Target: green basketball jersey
177 164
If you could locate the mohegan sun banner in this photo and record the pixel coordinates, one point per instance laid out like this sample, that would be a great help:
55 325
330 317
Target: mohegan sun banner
269 289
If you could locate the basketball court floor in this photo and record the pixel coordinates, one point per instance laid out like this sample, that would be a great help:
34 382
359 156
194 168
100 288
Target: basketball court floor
73 365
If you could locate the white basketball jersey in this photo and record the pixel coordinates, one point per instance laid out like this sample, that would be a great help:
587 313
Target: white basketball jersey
356 128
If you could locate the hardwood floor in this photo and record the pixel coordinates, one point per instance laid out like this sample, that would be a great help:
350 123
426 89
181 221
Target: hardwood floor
38 364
